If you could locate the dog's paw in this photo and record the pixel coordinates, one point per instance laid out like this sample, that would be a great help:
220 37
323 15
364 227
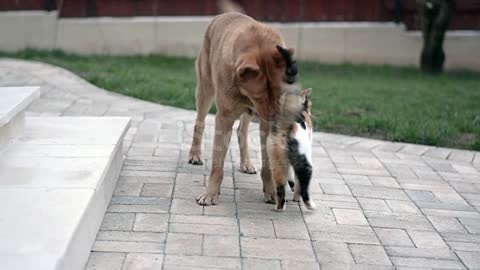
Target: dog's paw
296 197
281 206
310 205
270 197
195 159
247 167
207 199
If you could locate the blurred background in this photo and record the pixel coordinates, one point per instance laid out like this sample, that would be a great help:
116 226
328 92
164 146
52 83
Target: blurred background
467 13
354 31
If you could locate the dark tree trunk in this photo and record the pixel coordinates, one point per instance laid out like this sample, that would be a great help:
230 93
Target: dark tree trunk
435 16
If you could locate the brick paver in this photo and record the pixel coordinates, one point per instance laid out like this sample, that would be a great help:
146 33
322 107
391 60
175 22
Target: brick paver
381 205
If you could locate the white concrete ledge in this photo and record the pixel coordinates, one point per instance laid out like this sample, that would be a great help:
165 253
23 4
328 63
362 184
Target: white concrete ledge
13 103
332 42
56 182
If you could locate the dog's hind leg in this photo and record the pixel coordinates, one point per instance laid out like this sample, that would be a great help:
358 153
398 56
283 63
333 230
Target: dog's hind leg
279 166
269 192
246 165
204 98
221 141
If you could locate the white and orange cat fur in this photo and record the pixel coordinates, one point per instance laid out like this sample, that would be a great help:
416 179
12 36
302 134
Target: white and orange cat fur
295 164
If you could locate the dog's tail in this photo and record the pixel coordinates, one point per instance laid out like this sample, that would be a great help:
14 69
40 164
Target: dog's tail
225 6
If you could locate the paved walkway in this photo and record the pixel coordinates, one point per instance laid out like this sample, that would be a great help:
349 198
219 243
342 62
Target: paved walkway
381 205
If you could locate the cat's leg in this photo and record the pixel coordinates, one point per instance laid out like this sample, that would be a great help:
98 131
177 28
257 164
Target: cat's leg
291 178
303 172
296 191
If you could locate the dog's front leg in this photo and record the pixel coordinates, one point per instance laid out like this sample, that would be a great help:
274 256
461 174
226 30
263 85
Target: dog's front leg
221 140
268 186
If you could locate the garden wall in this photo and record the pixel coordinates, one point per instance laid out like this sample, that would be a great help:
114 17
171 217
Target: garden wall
376 43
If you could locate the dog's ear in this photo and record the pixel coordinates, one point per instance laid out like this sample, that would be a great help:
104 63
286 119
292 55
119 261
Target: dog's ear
291 69
247 68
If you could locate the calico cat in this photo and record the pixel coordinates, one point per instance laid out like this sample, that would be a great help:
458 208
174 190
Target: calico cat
299 152
290 149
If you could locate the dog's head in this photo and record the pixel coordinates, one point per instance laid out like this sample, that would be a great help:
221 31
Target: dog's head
263 76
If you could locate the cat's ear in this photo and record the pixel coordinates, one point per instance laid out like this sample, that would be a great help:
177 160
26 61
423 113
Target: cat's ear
306 93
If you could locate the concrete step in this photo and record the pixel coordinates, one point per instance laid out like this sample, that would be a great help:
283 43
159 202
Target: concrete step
56 182
13 103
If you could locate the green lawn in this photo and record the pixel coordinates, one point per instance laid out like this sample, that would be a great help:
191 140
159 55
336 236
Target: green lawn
398 104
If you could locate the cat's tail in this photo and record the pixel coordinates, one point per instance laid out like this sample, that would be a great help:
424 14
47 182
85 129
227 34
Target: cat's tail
225 6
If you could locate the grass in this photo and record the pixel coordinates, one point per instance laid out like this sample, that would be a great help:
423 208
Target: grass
393 103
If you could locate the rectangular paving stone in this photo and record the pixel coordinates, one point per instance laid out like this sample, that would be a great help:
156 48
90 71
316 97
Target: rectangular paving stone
121 246
451 213
151 222
153 174
264 211
125 188
427 239
369 172
379 192
335 204
330 252
197 219
186 207
430 253
272 248
351 179
462 246
341 266
426 263
446 206
131 236
221 245
446 224
157 190
368 254
349 217
335 189
470 259
105 260
184 244
117 221
295 265
260 264
403 206
398 221
384 181
197 262
461 237
471 224
294 229
147 179
393 237
370 204
123 208
142 261
473 199
346 234
135 200
203 229
228 209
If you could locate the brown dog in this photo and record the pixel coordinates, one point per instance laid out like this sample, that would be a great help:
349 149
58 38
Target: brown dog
244 67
